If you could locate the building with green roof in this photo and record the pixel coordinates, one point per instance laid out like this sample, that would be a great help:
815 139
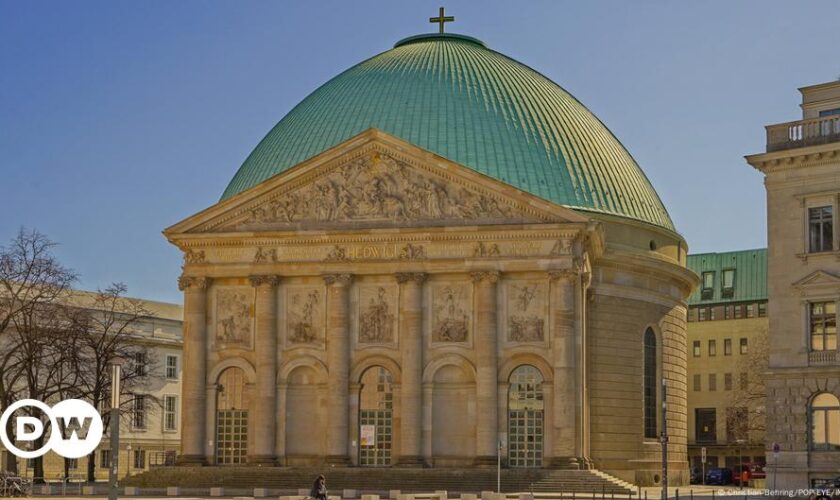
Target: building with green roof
437 251
726 339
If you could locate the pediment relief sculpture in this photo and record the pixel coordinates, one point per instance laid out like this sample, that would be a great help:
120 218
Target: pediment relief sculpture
379 190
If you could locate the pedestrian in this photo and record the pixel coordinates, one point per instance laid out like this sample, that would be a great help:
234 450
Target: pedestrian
319 488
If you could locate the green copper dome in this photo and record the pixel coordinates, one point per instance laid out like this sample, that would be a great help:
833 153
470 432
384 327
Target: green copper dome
453 96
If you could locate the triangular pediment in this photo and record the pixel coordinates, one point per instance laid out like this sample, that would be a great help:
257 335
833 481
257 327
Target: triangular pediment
818 279
374 180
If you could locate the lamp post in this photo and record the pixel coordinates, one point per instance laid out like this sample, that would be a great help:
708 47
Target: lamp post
113 473
664 441
128 458
740 443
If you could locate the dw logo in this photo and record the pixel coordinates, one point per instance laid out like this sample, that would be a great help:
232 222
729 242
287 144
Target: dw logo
76 428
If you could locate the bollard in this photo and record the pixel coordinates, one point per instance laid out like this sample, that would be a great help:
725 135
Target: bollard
487 495
260 492
678 494
217 492
131 491
469 496
645 494
344 494
173 491
394 494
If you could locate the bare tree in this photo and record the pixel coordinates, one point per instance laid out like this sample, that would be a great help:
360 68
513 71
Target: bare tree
749 395
110 331
32 281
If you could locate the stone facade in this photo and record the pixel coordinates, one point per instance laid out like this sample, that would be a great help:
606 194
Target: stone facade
387 295
801 171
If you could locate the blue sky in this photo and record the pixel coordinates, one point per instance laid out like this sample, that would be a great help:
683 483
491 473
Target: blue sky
118 119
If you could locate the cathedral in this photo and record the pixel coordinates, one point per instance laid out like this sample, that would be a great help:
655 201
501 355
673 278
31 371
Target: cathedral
438 257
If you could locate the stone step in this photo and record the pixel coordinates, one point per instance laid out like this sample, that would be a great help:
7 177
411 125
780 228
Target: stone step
382 480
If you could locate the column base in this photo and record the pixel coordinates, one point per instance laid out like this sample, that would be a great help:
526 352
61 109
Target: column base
192 460
338 460
569 463
269 460
411 461
487 461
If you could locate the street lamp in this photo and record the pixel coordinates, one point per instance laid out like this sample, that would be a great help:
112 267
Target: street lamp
740 443
113 473
128 458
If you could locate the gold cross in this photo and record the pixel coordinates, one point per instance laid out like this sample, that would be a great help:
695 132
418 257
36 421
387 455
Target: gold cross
441 19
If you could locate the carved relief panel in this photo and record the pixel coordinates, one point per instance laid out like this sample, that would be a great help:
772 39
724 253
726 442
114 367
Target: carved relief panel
305 309
234 318
451 312
379 188
527 311
378 310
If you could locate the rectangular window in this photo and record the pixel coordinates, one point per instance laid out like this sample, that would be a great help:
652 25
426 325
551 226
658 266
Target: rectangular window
712 382
744 381
138 415
738 311
743 346
712 348
139 459
696 385
171 367
705 424
30 463
170 413
139 364
696 348
701 314
708 290
762 309
820 229
727 312
727 381
750 310
728 284
712 313
823 324
72 463
727 347
104 459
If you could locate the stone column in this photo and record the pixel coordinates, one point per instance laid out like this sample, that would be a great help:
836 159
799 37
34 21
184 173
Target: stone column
194 385
487 367
265 354
565 443
338 365
411 354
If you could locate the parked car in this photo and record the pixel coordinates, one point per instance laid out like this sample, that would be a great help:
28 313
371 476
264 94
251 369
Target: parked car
696 475
829 488
719 476
738 472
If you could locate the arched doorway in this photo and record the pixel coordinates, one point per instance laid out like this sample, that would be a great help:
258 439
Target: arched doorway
376 406
453 417
526 410
304 434
232 402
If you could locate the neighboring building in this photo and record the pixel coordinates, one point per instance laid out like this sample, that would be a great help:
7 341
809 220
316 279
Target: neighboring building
802 178
436 251
150 431
727 338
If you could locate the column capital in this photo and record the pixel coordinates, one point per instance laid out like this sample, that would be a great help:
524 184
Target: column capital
418 278
491 277
343 279
198 282
563 274
270 280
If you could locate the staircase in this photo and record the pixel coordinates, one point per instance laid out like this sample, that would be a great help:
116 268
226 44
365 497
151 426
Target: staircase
382 480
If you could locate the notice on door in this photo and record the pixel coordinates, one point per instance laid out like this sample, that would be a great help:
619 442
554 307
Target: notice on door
367 435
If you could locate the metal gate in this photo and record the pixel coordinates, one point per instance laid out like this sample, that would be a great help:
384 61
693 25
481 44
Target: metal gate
375 418
375 438
231 437
525 418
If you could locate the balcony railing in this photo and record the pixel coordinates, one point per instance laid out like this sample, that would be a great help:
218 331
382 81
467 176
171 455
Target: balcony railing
822 357
803 133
